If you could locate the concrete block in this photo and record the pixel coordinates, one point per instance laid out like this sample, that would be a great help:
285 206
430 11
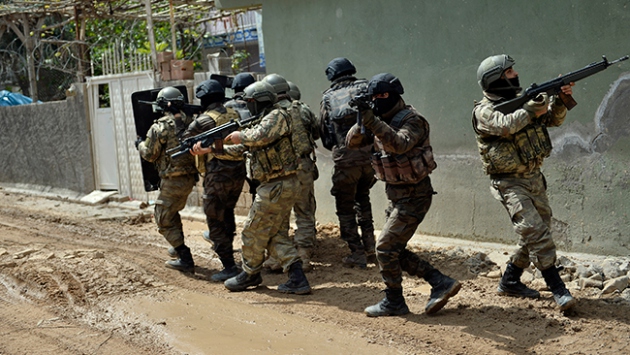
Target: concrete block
97 197
618 284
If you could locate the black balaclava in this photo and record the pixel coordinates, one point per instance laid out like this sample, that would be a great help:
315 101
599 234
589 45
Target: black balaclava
506 88
382 106
209 99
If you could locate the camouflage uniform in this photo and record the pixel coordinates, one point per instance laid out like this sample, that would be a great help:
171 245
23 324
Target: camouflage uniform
239 105
222 184
305 124
178 176
352 178
513 147
270 159
409 201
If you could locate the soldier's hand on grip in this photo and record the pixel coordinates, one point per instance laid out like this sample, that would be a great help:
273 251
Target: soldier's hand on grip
361 102
538 105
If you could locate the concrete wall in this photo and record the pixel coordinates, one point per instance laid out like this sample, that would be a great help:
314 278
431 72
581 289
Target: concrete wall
435 47
47 144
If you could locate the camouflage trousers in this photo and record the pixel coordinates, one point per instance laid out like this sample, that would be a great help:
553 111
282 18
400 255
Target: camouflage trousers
172 198
267 225
408 206
525 200
305 206
222 186
351 189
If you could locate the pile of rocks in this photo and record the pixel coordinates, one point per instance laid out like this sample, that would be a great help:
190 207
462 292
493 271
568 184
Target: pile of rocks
602 275
610 275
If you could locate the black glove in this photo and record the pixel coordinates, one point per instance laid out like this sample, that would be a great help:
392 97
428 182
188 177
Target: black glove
138 141
361 102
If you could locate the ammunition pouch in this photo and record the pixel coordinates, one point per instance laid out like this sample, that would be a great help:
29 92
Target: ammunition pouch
276 160
511 155
409 168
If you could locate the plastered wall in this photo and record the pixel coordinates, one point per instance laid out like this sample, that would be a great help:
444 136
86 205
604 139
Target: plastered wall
47 144
435 47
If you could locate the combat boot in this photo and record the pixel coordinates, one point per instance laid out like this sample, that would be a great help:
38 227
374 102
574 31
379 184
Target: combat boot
229 270
185 261
305 254
561 295
356 259
442 288
511 285
227 273
297 283
392 305
172 252
242 281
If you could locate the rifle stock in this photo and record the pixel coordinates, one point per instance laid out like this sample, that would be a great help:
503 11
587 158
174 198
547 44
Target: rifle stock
552 87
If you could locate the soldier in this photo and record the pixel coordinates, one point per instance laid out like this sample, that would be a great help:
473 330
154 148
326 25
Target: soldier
272 160
306 129
353 176
512 148
178 176
403 159
224 177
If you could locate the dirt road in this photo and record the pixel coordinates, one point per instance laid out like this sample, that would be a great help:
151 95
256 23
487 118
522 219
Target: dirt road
77 279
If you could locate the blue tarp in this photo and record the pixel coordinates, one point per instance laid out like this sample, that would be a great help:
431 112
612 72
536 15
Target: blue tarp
8 98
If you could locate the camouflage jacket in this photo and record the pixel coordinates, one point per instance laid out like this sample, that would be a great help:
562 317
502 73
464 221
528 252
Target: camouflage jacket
163 135
402 149
413 132
271 135
305 125
514 143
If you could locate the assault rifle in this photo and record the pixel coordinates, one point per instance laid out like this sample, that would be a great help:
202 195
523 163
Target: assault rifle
188 109
208 137
552 87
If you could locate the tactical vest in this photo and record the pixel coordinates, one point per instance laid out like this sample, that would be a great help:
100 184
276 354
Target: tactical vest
518 153
165 165
275 160
301 126
342 116
219 120
407 168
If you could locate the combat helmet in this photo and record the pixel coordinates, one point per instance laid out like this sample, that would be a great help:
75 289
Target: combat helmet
210 91
294 91
241 81
385 82
339 67
279 84
259 96
491 69
169 94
